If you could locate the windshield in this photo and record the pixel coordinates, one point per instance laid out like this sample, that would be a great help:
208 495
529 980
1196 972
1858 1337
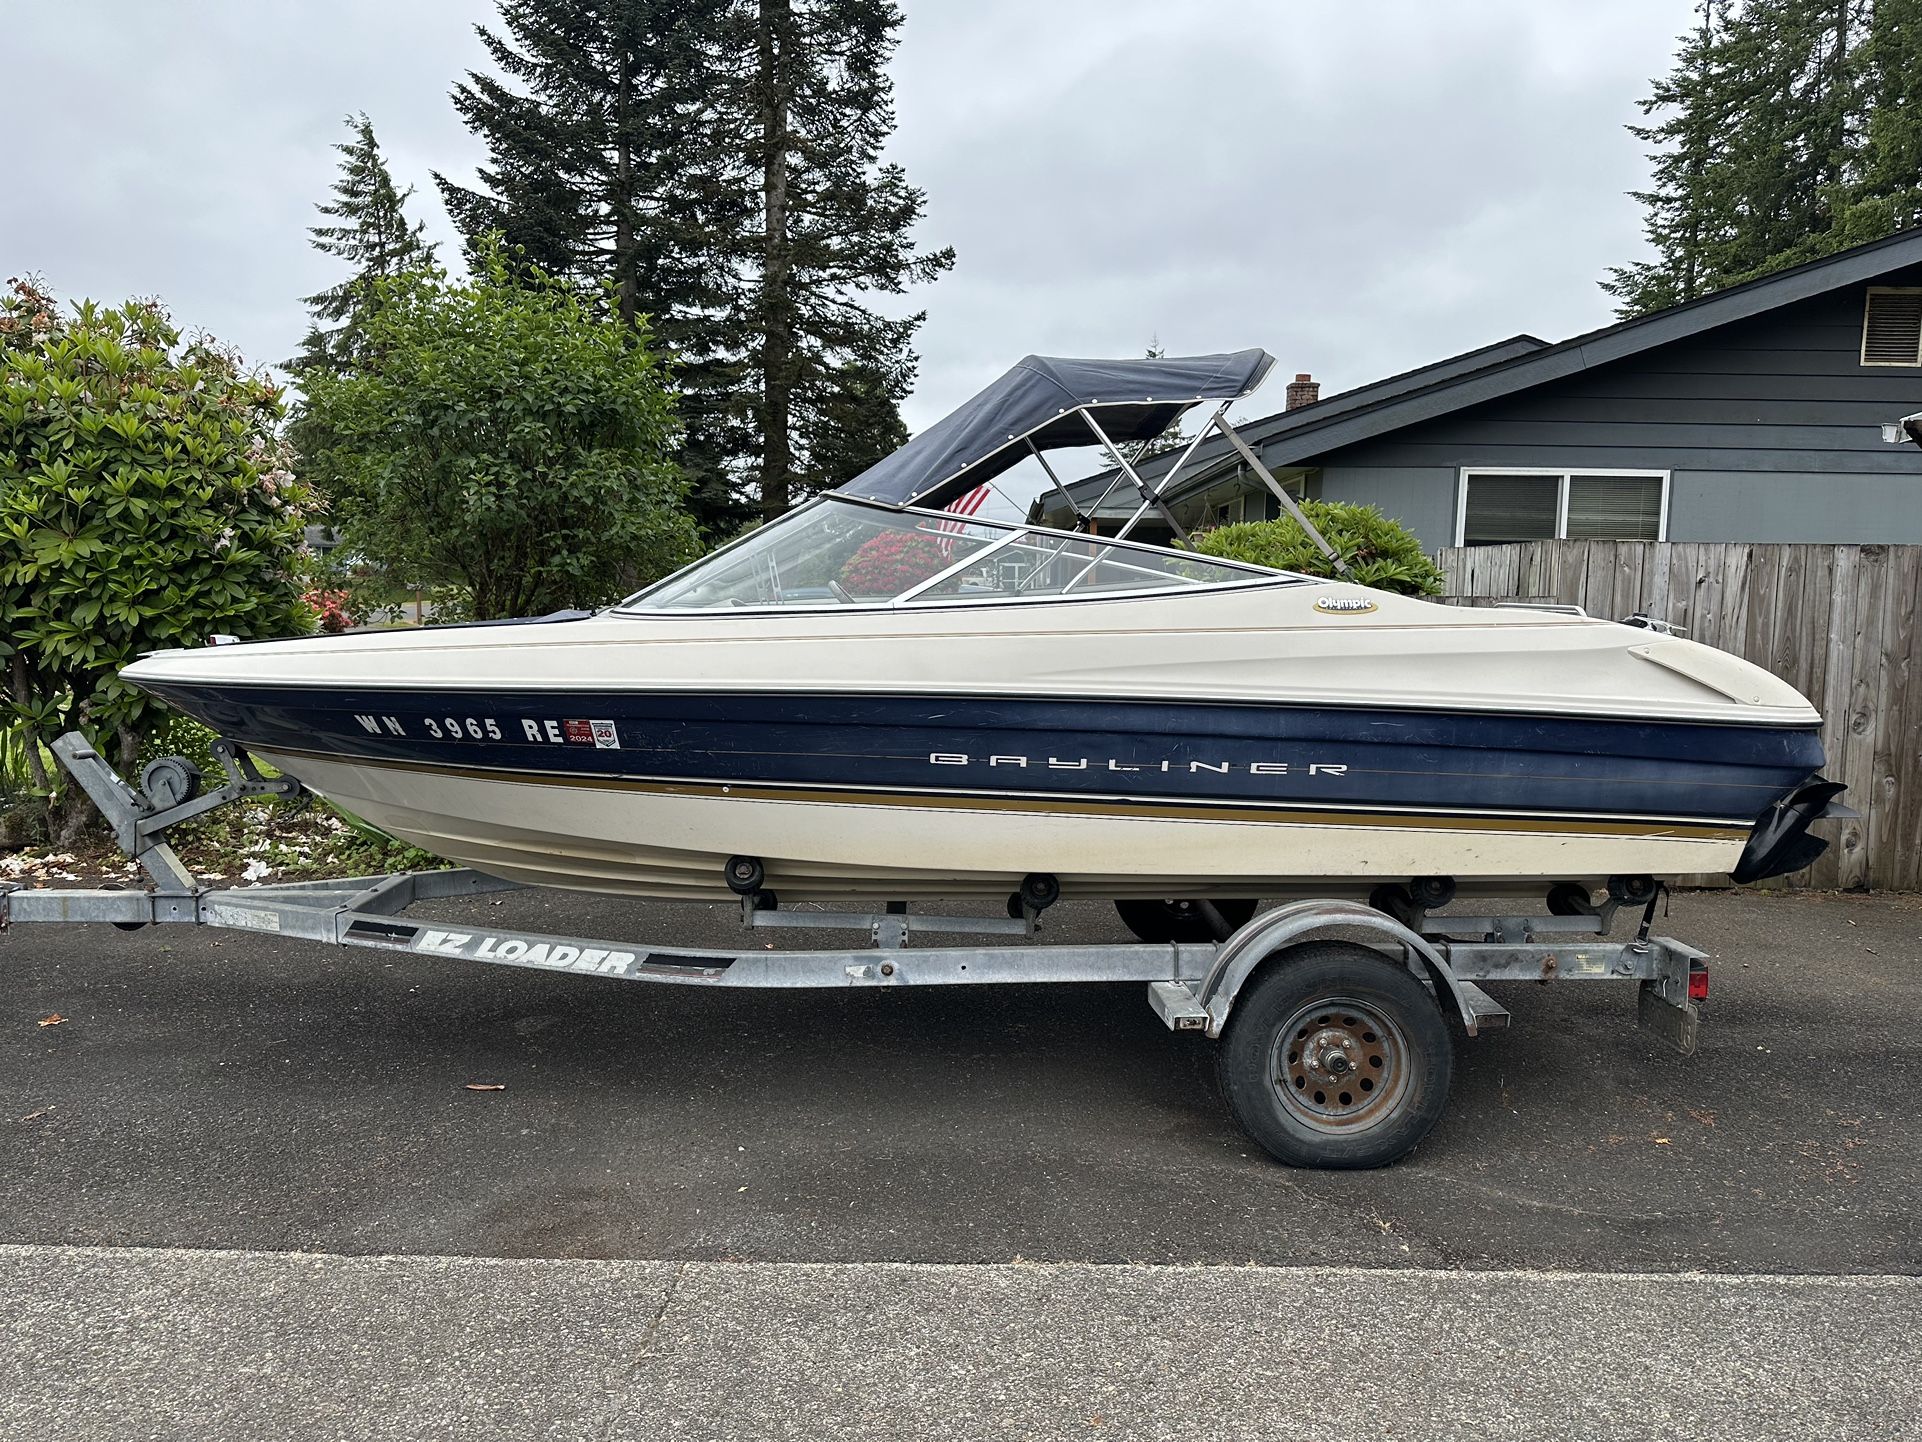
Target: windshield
837 552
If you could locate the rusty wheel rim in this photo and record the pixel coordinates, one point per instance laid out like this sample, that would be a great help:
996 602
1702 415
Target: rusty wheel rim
1338 1064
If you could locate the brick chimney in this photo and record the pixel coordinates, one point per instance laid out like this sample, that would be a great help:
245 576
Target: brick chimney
1303 390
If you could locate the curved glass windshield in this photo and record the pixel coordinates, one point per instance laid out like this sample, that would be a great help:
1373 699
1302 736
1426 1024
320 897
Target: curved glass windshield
842 553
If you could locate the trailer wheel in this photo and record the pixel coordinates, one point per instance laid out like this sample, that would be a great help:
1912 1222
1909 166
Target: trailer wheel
1336 1056
1162 921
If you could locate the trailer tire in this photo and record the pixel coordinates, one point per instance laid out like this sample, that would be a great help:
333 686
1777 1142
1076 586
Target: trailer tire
1336 1056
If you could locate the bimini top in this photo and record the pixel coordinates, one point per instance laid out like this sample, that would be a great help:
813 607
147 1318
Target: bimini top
1041 402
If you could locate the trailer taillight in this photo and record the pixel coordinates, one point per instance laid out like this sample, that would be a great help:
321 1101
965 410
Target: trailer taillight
1698 981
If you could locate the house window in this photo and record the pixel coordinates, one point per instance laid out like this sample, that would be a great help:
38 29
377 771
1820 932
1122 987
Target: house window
1513 505
1892 326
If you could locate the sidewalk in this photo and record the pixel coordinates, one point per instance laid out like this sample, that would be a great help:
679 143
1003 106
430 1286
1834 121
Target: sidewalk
137 1344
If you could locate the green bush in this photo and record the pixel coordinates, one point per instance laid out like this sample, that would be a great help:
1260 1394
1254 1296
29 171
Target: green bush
145 503
503 445
1380 552
16 775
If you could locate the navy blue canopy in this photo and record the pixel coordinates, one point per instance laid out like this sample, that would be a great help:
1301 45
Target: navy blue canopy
1040 402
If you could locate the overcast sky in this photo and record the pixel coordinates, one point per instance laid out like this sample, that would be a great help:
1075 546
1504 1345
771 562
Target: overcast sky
1358 188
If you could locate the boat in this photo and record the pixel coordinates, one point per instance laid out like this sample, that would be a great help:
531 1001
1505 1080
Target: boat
886 693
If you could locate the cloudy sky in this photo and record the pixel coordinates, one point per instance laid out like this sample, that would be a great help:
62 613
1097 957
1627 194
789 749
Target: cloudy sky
1358 188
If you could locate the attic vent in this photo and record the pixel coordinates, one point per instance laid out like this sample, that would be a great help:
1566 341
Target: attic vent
1892 327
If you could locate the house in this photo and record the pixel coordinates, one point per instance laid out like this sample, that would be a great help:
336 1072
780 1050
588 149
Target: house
1754 414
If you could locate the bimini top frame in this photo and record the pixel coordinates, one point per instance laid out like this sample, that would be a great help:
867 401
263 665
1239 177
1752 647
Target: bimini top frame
1047 403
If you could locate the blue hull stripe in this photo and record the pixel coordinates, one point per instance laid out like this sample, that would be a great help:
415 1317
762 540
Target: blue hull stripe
1156 753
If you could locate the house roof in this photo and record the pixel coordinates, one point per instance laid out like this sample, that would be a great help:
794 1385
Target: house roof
1297 436
1604 346
1376 392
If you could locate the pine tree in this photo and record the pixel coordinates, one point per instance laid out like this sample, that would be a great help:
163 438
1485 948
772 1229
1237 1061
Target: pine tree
718 162
856 422
370 232
609 162
1175 438
1790 129
835 227
1681 206
1794 132
1887 194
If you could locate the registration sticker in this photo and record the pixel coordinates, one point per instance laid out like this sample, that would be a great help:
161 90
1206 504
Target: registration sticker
605 736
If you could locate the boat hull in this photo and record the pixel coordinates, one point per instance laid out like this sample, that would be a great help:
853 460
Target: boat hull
673 840
921 795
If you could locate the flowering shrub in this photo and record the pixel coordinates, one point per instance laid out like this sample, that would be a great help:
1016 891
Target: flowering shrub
330 607
146 501
887 564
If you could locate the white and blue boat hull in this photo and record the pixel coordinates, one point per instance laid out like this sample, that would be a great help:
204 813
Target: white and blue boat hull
920 794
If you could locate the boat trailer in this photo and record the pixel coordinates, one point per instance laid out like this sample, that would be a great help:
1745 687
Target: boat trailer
1333 1017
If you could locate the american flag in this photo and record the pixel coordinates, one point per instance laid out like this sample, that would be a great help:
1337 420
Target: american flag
966 505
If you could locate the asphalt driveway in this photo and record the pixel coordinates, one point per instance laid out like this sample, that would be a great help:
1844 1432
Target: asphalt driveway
215 1090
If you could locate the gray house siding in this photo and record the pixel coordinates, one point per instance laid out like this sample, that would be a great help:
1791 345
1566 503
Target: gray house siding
1769 426
1420 497
1790 506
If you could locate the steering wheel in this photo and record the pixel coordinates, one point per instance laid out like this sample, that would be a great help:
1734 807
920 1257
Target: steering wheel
840 592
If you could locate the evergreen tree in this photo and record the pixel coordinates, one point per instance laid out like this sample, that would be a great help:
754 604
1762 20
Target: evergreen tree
1688 162
1789 129
718 161
608 160
1795 119
371 232
856 423
1887 193
1176 437
834 227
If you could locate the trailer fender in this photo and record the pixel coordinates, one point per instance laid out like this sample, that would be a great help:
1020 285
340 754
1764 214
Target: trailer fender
1298 921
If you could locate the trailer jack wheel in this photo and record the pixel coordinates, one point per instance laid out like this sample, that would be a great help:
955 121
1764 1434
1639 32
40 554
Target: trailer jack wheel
1336 1056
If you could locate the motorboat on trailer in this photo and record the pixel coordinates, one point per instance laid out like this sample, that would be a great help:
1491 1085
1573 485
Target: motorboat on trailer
882 694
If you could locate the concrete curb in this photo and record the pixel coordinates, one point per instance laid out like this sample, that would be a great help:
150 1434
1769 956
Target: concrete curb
149 1343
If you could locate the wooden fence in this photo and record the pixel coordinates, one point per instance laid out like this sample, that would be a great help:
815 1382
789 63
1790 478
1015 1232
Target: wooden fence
1836 622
